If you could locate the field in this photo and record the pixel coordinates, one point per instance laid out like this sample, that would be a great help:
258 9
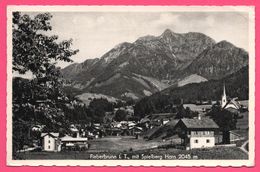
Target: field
138 148
123 143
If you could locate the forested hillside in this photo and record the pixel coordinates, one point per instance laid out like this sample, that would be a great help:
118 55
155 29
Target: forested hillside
237 85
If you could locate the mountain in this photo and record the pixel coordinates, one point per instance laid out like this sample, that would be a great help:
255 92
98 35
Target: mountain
73 70
218 61
237 85
153 63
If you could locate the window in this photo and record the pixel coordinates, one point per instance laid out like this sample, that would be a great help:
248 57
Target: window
196 141
208 141
49 141
49 147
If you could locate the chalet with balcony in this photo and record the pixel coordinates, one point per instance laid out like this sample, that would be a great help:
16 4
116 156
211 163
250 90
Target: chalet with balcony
197 132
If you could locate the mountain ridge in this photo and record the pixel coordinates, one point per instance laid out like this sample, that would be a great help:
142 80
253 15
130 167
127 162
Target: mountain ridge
164 60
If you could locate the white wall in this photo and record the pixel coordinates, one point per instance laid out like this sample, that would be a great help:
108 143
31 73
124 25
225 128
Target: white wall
48 143
202 142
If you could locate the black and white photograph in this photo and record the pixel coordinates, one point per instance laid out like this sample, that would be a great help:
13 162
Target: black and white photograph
131 85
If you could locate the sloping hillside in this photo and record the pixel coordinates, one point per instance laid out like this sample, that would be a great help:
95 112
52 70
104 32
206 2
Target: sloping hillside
86 98
194 78
236 84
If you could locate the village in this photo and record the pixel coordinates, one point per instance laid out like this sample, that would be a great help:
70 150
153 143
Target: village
153 132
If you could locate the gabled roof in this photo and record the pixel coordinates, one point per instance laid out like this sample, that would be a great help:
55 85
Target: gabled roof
163 114
233 102
203 123
69 138
234 133
144 120
55 135
161 131
172 123
74 130
150 132
165 129
134 127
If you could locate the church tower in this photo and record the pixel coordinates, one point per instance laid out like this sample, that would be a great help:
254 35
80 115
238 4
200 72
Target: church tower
224 98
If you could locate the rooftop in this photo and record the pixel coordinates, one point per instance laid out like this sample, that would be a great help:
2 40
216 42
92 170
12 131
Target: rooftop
75 139
172 123
51 134
163 114
196 123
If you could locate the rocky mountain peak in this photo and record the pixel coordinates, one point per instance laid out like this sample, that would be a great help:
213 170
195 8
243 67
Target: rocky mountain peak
167 32
145 39
224 44
123 44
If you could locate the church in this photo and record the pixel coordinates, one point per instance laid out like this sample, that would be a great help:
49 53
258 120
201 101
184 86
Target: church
229 104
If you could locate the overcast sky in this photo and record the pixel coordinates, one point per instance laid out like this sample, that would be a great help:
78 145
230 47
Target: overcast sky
95 33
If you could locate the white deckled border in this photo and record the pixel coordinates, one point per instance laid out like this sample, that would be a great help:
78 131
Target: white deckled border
188 163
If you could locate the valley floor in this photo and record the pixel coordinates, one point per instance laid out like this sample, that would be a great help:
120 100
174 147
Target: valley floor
131 148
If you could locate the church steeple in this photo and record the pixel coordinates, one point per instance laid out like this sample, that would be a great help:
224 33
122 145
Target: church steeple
224 90
224 97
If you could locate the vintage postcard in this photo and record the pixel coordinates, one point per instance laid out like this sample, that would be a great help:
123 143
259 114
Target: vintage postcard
131 86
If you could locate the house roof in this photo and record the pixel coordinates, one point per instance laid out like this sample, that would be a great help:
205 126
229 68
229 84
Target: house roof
74 130
233 102
114 129
51 134
150 132
234 133
164 129
144 120
135 127
203 123
69 138
172 123
162 114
